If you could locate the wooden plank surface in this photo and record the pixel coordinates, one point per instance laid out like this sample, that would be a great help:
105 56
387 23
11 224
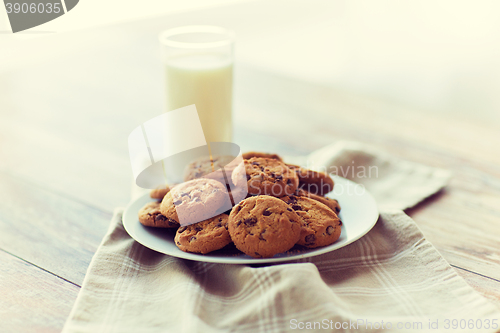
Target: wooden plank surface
485 286
48 229
64 163
32 300
462 222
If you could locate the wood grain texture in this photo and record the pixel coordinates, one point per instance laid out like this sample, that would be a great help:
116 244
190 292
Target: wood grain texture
462 222
483 285
47 229
64 163
32 300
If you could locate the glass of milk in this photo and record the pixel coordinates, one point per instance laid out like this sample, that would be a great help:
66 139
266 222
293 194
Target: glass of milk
198 62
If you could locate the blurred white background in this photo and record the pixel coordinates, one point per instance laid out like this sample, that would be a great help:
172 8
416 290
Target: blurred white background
441 56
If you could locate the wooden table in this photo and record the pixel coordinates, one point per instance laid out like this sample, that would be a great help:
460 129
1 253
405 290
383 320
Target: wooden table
64 162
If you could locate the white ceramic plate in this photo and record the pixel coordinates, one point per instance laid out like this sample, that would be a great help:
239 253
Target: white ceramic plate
359 214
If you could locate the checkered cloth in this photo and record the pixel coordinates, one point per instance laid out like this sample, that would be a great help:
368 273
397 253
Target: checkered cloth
391 279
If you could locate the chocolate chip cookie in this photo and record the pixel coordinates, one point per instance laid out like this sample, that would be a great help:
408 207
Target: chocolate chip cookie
167 208
159 192
266 176
314 182
333 204
238 193
263 226
320 225
204 237
202 168
195 201
250 154
150 216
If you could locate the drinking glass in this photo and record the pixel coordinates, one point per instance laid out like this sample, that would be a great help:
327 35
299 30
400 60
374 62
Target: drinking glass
198 66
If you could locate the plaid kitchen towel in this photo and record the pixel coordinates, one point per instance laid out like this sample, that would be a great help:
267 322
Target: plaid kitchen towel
392 279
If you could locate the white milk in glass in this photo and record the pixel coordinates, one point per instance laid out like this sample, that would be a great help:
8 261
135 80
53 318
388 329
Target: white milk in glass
205 80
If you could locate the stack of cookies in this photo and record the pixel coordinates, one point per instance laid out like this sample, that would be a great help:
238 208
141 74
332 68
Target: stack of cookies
282 205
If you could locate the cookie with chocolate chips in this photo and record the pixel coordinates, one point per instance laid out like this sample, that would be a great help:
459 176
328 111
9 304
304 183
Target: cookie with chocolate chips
320 226
223 167
314 182
333 204
263 226
266 176
150 216
204 237
195 201
250 154
159 192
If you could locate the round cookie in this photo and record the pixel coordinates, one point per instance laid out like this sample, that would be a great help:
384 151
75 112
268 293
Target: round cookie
238 193
202 168
195 201
159 192
167 208
150 216
266 176
263 226
320 225
250 154
314 182
333 204
204 237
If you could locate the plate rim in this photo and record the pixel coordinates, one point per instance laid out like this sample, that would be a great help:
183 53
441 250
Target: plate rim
241 261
